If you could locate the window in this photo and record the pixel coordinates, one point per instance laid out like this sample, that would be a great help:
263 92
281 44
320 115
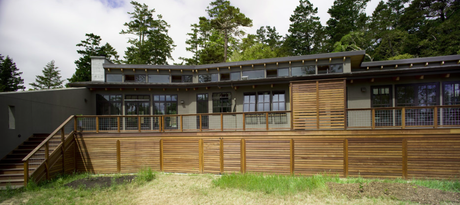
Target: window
381 97
224 76
451 96
235 76
159 79
114 78
137 105
254 74
272 73
418 95
135 78
221 102
108 104
304 70
207 78
202 107
181 78
165 105
11 117
283 72
265 101
334 68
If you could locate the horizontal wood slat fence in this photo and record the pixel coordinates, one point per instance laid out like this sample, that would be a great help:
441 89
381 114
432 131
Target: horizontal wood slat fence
388 155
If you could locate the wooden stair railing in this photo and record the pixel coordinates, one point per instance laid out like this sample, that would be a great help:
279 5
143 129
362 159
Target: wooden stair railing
50 159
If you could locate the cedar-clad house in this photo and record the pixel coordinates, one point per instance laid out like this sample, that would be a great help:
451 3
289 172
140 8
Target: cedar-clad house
304 115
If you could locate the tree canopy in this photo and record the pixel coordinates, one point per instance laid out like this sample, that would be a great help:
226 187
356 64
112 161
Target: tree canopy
10 77
51 78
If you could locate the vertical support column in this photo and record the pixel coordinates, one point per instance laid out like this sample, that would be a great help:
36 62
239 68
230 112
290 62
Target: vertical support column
118 124
345 120
403 118
345 158
291 106
221 122
404 158
139 123
118 157
163 123
201 129
373 118
201 155
181 124
317 105
63 149
97 124
266 120
161 155
244 121
26 172
292 156
243 156
435 117
75 126
221 155
47 154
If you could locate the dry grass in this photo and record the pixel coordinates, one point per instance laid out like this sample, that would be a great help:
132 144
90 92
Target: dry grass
176 189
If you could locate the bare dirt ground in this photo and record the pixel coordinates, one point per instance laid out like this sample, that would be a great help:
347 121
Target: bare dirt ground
92 182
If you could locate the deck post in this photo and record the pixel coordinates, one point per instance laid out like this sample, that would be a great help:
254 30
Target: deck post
118 124
47 152
63 149
221 157
404 158
161 155
244 121
118 157
403 118
181 124
266 119
345 158
139 122
221 122
373 118
75 126
243 156
97 124
291 107
292 156
26 172
435 117
201 129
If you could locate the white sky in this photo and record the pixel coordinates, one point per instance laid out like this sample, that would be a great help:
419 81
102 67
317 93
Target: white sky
35 32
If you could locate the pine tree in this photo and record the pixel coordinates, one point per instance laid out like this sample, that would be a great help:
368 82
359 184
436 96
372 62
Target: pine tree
90 48
153 45
51 78
10 77
305 32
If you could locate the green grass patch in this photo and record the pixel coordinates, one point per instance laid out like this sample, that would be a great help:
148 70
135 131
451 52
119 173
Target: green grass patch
145 174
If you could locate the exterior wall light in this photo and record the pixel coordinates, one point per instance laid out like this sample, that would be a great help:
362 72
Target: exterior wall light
181 101
363 89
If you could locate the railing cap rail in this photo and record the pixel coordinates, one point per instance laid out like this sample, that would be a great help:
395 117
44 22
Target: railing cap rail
177 115
48 138
405 107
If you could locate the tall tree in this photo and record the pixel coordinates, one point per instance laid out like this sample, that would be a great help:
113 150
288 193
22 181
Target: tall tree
153 45
227 19
269 36
194 44
51 78
346 16
10 77
90 47
305 31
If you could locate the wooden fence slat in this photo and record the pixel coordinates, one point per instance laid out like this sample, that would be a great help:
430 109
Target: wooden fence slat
118 157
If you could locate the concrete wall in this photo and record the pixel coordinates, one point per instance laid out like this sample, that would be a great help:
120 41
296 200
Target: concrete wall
39 112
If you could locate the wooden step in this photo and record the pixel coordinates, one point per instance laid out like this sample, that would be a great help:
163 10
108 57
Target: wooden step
12 176
14 171
18 165
11 182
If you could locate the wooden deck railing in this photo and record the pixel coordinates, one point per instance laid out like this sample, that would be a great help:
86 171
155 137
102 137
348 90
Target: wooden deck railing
404 117
43 163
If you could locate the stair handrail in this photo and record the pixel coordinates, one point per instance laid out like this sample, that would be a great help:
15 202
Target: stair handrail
48 138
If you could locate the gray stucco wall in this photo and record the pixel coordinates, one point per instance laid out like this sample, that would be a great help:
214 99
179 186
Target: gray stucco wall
39 112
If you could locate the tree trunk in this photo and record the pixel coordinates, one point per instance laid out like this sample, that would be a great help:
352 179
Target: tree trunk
225 45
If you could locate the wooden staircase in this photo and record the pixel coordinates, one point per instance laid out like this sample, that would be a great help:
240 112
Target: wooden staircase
12 167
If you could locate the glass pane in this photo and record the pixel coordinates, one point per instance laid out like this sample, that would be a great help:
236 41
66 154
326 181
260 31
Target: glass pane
159 78
336 68
235 76
252 99
114 78
246 107
214 77
187 78
254 74
168 97
162 98
275 98
302 71
252 107
282 72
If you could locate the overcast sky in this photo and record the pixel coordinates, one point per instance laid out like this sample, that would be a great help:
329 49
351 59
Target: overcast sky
35 32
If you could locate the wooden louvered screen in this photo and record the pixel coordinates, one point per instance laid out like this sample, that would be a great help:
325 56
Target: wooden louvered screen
318 104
